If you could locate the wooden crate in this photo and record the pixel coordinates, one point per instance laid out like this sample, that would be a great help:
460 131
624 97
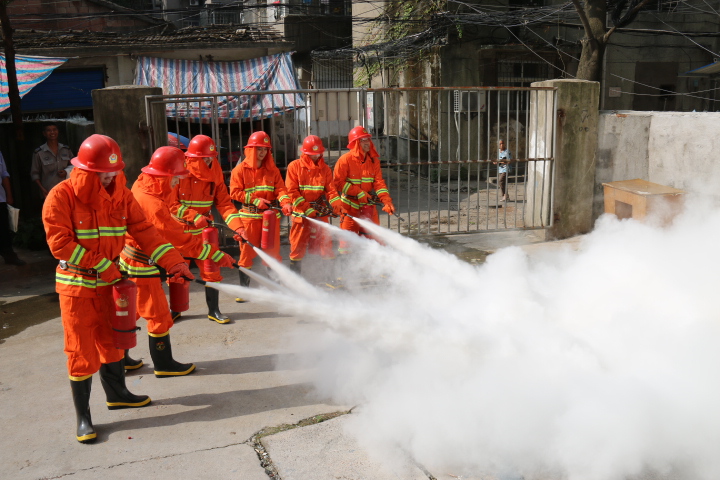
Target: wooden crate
639 198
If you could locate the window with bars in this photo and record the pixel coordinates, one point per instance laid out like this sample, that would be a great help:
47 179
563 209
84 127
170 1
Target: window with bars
521 73
332 73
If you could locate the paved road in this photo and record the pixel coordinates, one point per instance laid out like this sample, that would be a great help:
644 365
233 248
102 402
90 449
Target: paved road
249 411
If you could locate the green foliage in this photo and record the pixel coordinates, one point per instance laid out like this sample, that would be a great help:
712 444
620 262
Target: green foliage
400 20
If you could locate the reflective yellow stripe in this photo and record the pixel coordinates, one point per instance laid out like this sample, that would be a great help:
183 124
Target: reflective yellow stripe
196 203
160 251
231 217
314 188
217 256
159 335
382 190
350 202
112 231
92 233
75 281
103 265
205 251
79 379
77 255
139 271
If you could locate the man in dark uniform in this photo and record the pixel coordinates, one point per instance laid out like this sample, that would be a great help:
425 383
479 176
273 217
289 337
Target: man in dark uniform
50 161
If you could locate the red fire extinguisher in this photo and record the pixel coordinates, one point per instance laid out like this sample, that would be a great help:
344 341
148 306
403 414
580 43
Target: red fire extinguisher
210 236
367 211
314 241
179 296
124 321
269 229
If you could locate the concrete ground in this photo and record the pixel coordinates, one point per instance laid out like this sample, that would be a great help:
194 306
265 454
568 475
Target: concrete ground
237 416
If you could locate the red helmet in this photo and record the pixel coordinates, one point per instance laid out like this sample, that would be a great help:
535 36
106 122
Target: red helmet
201 146
312 145
259 139
167 162
356 134
99 153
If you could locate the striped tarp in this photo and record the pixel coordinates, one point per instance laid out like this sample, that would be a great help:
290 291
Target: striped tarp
235 79
30 71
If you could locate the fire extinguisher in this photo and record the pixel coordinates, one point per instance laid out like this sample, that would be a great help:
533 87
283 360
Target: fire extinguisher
269 229
367 211
210 236
124 321
179 296
314 241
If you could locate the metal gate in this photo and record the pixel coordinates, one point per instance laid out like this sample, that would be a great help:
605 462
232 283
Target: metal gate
438 146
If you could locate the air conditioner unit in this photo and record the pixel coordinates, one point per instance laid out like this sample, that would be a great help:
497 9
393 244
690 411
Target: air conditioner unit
194 3
465 101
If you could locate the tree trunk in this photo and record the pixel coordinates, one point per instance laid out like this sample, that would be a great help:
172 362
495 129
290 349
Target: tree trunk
593 17
13 91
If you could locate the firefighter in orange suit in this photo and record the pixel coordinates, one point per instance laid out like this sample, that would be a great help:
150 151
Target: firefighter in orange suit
196 194
257 183
153 191
309 183
357 174
86 218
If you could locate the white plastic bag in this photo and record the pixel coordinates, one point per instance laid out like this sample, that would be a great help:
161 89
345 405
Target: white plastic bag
13 217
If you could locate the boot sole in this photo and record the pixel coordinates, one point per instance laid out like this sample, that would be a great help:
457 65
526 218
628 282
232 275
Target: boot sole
174 374
134 367
89 438
221 321
119 405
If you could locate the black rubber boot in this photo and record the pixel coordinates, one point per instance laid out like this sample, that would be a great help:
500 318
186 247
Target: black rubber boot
163 361
244 282
175 315
112 376
131 364
296 266
81 397
212 297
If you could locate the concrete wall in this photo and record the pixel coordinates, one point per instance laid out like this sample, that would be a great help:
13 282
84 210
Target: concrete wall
120 113
575 142
670 148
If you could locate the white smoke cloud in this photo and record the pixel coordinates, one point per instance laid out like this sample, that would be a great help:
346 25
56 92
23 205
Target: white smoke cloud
595 364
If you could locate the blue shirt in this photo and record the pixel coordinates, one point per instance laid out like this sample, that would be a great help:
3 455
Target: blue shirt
504 154
3 174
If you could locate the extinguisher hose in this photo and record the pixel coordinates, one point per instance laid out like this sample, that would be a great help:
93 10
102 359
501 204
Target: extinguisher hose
163 277
217 225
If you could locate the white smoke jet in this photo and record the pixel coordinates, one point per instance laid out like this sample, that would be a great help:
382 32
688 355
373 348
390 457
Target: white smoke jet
596 364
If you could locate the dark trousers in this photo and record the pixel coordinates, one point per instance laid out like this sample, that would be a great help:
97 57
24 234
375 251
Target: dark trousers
502 183
6 235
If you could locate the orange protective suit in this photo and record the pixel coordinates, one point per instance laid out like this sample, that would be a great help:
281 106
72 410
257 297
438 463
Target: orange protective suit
195 196
309 182
248 183
155 195
85 226
356 175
